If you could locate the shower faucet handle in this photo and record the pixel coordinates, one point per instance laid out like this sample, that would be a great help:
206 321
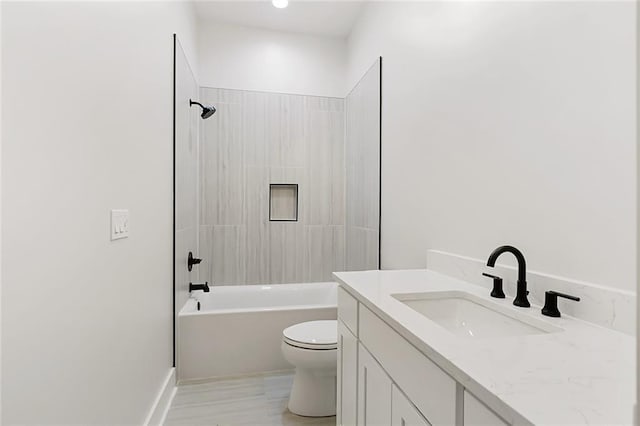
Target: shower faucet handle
192 261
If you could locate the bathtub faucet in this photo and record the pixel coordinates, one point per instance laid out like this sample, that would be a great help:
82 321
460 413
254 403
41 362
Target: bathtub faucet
204 287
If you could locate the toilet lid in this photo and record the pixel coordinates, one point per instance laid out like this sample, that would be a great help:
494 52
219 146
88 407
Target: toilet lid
313 335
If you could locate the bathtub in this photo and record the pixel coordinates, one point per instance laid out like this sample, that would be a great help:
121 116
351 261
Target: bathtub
238 329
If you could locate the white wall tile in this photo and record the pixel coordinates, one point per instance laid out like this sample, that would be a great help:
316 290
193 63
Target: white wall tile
324 134
324 252
255 126
285 127
205 252
284 139
286 252
363 172
257 224
222 160
361 249
228 254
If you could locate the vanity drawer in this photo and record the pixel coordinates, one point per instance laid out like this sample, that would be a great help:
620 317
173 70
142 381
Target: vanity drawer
348 310
430 389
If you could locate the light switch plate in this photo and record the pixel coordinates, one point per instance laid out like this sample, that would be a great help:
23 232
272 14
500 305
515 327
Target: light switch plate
119 224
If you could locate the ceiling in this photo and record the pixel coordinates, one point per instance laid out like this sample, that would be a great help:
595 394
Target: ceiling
325 18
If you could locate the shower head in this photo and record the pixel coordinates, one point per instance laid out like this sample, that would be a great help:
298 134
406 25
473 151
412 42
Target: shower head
207 111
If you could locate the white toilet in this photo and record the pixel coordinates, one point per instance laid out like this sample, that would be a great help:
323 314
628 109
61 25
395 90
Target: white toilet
312 348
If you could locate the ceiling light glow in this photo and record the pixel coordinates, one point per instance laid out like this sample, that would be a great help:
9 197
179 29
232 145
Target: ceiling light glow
280 4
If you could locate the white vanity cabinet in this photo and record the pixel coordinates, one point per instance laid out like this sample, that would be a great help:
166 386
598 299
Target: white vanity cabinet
396 383
347 376
403 413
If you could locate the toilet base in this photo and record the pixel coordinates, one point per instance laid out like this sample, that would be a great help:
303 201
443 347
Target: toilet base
313 393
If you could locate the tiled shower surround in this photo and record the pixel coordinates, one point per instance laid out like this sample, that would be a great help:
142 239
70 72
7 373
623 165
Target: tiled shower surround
254 140
257 139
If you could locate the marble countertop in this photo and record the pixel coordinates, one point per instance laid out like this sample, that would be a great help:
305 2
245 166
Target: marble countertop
584 374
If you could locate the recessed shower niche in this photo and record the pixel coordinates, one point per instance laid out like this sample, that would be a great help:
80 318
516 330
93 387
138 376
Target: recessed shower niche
283 202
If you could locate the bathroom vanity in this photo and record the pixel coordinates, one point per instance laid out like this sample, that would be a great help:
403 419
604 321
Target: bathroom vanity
421 348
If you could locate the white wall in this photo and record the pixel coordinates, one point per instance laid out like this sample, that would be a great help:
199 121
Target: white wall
236 57
87 126
507 122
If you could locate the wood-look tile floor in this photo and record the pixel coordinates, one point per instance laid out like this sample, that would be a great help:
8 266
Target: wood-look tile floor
253 400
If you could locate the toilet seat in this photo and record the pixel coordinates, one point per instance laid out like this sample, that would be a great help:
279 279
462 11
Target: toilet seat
313 335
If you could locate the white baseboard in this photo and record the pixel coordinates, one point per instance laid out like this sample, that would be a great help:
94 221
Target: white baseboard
161 405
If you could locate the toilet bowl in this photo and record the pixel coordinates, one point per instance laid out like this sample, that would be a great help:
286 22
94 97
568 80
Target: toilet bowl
312 348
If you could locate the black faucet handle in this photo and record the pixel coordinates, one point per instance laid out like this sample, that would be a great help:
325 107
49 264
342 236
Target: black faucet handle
550 308
497 291
192 261
566 296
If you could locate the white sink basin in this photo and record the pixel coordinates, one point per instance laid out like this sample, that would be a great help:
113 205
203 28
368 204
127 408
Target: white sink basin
467 315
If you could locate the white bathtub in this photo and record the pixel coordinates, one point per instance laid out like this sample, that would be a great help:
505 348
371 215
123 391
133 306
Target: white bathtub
238 329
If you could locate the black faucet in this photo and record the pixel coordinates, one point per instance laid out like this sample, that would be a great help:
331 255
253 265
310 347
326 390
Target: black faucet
204 287
521 293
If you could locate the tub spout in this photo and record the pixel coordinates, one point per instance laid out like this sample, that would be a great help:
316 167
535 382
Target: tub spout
204 287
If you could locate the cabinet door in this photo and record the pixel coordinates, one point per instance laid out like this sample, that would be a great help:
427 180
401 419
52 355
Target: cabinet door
347 376
374 391
476 414
403 413
426 385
